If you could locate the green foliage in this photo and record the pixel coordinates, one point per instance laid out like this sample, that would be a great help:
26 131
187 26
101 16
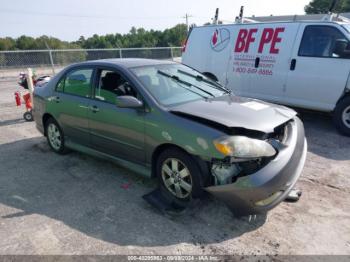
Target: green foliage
322 6
137 37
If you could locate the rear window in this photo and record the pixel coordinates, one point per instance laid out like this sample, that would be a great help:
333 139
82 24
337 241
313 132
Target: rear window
76 82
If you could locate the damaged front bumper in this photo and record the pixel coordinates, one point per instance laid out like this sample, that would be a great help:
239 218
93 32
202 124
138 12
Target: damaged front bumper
265 189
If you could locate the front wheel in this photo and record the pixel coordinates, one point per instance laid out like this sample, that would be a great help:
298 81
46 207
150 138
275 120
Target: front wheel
342 116
55 137
179 174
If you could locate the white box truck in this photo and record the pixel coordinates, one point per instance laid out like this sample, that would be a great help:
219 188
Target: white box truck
303 63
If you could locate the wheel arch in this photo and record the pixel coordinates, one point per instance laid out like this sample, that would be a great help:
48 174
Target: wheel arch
161 148
46 117
343 96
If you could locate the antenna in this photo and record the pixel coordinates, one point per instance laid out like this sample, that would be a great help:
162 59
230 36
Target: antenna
216 17
330 15
241 12
239 19
333 5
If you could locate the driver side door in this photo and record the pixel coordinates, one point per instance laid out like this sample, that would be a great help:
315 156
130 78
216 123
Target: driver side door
317 74
116 131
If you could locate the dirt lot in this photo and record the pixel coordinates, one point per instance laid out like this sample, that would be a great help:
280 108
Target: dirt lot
75 204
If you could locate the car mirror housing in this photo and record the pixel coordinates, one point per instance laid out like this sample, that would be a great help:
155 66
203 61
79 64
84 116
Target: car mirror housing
128 102
341 47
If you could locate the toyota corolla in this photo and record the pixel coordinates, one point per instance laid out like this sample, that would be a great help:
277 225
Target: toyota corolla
166 120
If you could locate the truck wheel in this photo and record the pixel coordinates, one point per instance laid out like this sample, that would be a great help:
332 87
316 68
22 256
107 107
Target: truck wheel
55 136
342 116
179 174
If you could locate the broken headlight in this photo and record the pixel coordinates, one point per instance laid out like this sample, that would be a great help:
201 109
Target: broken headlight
244 147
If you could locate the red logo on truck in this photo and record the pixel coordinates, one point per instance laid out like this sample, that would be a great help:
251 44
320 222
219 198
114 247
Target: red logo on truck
270 38
220 39
214 39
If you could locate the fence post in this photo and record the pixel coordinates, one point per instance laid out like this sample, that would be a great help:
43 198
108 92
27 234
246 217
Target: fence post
51 61
172 53
120 53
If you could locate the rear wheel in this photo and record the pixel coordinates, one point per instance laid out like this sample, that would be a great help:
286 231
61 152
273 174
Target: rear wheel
179 174
55 136
342 116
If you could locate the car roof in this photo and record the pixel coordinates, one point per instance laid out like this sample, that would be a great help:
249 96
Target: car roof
128 62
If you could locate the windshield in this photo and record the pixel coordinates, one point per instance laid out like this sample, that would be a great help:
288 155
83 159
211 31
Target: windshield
347 27
175 84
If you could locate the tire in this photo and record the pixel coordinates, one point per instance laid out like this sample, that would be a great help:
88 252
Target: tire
342 116
184 177
55 136
28 116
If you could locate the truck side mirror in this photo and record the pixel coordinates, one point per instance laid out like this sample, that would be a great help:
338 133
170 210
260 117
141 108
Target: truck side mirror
341 46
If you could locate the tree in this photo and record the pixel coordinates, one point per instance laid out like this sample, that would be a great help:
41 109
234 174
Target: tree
7 43
322 6
137 37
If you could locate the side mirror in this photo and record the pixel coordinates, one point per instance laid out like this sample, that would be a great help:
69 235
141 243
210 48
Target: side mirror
128 102
341 46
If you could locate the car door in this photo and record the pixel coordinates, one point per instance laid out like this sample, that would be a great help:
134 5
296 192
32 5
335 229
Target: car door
272 61
70 103
116 131
318 73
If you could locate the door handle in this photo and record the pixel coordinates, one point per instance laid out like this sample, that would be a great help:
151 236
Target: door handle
293 64
257 62
94 109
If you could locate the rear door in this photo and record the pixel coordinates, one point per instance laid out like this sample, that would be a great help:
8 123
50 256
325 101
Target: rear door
116 131
70 103
319 72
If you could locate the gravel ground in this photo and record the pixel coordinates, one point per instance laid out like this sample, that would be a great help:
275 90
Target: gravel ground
75 204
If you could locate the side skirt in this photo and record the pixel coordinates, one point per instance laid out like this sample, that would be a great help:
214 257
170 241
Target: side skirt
140 169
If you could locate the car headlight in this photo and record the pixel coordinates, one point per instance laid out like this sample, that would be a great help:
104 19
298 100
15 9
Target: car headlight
244 147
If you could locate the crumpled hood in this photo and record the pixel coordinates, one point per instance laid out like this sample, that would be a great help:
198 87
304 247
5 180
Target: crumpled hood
234 111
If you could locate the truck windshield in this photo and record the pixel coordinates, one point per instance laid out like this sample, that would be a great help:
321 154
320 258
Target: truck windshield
173 84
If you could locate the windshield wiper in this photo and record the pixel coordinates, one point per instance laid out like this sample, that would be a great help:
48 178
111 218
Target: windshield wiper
178 80
201 78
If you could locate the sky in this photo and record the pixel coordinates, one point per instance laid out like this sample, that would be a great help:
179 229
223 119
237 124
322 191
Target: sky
70 19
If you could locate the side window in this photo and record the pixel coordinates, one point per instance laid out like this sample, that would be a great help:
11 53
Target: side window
60 85
112 84
77 82
324 41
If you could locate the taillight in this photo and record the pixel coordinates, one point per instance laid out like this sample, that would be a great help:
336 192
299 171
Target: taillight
184 45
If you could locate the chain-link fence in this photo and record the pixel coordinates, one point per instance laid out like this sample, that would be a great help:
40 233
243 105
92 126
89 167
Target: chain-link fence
56 59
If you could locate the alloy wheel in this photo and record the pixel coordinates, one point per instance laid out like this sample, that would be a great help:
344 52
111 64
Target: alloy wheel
177 178
54 136
346 117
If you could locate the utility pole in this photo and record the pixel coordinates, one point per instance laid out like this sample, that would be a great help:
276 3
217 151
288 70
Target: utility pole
187 23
